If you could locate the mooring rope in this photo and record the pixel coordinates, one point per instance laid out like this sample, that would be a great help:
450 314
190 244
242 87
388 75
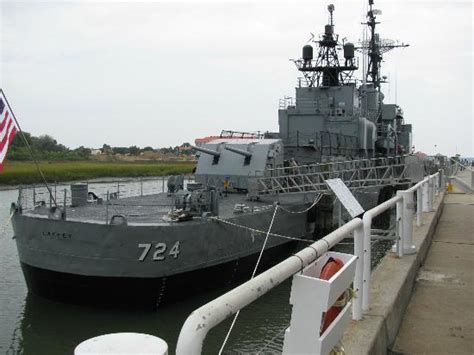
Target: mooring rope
7 222
271 341
253 275
316 200
258 231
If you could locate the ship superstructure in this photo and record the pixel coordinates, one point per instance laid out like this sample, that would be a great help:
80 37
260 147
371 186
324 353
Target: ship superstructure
334 116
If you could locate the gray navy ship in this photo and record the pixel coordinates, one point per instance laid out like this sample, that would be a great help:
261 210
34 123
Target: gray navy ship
148 250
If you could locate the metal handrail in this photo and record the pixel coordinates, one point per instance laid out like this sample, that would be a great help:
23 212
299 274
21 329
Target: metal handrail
202 320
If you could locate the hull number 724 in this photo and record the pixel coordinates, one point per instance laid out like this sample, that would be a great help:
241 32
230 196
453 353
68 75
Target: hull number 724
160 251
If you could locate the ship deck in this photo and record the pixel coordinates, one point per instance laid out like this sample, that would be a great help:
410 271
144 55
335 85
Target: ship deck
148 209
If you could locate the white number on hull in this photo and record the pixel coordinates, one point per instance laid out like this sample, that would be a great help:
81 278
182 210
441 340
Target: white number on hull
160 250
175 250
159 253
145 251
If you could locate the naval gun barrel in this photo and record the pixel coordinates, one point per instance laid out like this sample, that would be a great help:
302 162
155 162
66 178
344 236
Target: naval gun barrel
207 151
240 151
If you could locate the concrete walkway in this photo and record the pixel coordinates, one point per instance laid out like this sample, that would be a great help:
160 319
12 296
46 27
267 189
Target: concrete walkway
440 316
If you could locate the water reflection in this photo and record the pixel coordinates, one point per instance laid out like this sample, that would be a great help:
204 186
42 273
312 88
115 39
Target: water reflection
47 327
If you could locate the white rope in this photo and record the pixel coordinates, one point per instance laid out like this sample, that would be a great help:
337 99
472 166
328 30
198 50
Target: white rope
7 222
271 341
316 200
253 275
259 231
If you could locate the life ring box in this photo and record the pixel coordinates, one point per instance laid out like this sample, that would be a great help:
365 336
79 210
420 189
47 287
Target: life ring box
311 297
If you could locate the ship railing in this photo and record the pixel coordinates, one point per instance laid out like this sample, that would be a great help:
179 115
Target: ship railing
303 82
355 178
205 318
333 166
286 102
109 192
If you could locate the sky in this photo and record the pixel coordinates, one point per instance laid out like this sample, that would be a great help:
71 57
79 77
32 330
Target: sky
160 73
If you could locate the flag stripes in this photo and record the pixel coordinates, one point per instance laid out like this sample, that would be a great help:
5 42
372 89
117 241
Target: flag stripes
7 130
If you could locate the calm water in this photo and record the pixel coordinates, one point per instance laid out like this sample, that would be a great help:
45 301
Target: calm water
32 325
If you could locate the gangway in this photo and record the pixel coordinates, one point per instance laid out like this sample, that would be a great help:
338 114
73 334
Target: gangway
356 174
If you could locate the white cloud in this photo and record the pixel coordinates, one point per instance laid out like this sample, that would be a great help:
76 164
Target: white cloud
87 72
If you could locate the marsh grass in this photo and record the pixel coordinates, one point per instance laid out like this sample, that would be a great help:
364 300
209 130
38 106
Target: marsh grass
25 172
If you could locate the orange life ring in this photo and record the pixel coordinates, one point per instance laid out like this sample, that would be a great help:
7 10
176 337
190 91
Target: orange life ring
332 266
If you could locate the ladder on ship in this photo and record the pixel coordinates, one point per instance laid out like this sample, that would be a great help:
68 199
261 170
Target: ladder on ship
356 174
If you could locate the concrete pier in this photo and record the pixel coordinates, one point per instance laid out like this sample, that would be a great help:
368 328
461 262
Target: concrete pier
427 310
440 316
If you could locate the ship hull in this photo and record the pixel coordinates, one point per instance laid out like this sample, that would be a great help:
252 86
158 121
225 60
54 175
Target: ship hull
146 266
150 265
145 293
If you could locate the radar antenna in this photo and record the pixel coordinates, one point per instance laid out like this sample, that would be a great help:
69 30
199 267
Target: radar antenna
375 47
326 70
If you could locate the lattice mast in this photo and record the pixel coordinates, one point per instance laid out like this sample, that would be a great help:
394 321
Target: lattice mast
375 47
325 69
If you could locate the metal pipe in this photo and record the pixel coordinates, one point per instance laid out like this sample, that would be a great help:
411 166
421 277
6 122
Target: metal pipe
202 320
367 221
207 151
419 204
400 223
64 204
407 222
359 273
239 151
107 209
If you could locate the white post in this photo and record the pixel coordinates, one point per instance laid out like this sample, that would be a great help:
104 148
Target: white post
430 193
407 222
359 273
399 227
419 204
436 184
425 196
367 220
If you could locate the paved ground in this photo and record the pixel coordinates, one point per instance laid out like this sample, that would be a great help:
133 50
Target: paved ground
440 316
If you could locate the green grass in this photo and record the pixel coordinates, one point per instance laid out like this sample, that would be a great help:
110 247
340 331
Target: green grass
26 173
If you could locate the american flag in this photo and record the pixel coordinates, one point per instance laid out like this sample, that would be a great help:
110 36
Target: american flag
7 129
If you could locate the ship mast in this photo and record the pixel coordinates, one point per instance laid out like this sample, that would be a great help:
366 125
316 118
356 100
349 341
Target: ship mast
376 47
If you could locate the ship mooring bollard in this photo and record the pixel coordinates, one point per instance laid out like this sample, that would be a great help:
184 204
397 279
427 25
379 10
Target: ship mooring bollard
123 343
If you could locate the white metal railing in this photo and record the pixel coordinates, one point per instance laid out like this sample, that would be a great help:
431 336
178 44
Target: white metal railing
202 320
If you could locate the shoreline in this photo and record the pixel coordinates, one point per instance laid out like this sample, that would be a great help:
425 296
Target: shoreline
99 180
25 173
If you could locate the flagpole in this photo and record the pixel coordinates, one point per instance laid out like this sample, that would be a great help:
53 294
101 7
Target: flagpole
30 150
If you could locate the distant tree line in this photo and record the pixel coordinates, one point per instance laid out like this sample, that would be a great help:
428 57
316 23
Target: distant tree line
46 147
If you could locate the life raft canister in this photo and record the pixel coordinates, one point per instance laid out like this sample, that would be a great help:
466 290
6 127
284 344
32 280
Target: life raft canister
332 266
